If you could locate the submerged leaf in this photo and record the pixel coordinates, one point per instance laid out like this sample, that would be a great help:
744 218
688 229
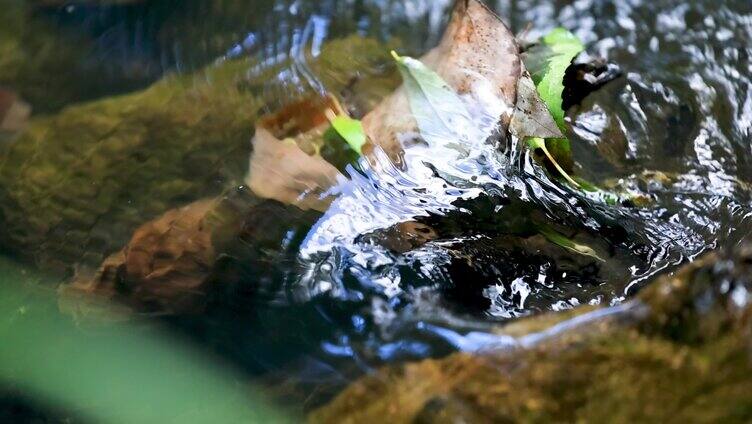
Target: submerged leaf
567 243
612 197
351 130
286 165
282 171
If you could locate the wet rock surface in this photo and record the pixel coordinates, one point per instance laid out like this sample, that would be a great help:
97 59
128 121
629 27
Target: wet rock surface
165 265
679 352
75 185
50 66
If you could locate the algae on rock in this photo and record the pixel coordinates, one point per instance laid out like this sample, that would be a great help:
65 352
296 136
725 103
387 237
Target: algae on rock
48 66
174 263
75 185
681 352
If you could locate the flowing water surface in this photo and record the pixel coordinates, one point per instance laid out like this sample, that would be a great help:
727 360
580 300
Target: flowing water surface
338 293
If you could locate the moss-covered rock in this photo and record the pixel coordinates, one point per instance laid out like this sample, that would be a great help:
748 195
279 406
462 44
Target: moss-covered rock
75 185
49 66
174 263
681 353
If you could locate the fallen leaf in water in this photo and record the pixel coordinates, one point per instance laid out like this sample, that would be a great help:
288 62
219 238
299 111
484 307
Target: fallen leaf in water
285 164
531 116
548 62
351 130
280 170
478 60
561 83
567 243
442 118
458 99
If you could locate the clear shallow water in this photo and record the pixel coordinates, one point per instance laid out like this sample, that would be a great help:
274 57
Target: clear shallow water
337 301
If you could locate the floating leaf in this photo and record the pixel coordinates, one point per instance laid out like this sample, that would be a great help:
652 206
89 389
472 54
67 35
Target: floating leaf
351 130
443 120
548 62
478 57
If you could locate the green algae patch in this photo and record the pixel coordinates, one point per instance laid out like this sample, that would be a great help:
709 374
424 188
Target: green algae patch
75 185
51 66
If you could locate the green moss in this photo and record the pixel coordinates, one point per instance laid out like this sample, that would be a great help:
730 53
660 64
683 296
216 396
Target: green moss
100 169
41 63
682 355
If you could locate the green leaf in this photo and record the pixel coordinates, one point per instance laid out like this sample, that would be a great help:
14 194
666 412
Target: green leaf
548 62
443 119
539 143
567 243
351 130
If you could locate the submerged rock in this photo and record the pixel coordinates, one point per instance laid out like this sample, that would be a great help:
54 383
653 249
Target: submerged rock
679 352
173 263
74 186
166 263
50 66
179 262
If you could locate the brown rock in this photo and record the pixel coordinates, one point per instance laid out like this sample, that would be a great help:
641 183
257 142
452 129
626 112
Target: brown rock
164 267
167 265
75 185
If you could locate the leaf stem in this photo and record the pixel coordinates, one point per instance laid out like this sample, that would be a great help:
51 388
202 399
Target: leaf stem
540 143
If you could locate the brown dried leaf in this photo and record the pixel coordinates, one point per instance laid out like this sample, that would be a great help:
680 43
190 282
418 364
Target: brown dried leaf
531 116
477 51
280 170
285 165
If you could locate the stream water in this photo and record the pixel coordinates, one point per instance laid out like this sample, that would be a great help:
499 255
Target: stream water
340 296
